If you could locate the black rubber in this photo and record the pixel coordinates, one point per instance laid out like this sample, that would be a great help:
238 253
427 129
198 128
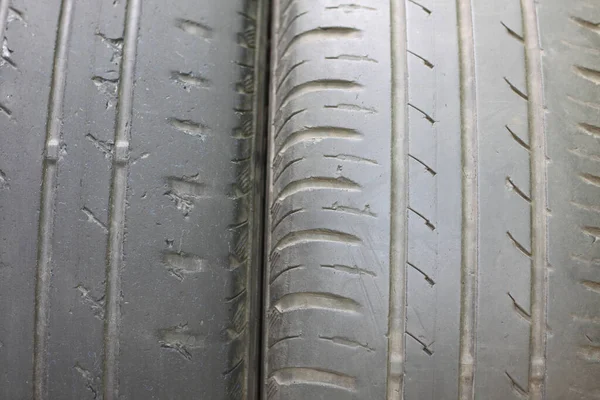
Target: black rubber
134 122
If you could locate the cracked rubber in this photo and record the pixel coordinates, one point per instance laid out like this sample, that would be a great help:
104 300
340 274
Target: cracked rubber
432 212
129 202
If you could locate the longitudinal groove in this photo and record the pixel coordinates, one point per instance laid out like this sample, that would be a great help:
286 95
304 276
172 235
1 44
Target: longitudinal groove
116 223
47 204
4 6
399 202
470 206
273 131
539 245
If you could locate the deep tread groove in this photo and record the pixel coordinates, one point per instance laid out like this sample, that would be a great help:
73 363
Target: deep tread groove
48 198
539 203
470 201
399 203
118 196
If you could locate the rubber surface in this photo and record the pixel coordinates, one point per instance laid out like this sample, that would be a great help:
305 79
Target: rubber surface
127 199
432 218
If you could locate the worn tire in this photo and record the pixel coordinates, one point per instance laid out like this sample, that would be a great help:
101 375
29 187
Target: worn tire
129 203
433 217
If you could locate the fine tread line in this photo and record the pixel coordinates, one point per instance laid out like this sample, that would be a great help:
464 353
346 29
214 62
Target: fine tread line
539 245
399 203
470 206
116 224
48 197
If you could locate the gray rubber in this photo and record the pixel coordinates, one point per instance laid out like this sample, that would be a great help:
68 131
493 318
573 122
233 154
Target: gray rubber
432 223
129 198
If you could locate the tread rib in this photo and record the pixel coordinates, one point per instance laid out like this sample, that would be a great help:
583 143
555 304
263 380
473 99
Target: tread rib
328 168
47 205
118 195
470 206
399 203
539 245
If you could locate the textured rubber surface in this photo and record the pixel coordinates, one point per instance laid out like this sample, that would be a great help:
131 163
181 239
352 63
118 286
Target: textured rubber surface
130 274
432 230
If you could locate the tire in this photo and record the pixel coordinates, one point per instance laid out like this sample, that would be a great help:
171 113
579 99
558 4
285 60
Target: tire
129 200
432 213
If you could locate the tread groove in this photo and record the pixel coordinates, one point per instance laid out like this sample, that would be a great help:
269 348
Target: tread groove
517 139
313 376
319 86
48 196
314 134
398 203
335 32
4 11
321 301
538 182
316 183
316 235
287 119
118 196
584 23
589 74
470 201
